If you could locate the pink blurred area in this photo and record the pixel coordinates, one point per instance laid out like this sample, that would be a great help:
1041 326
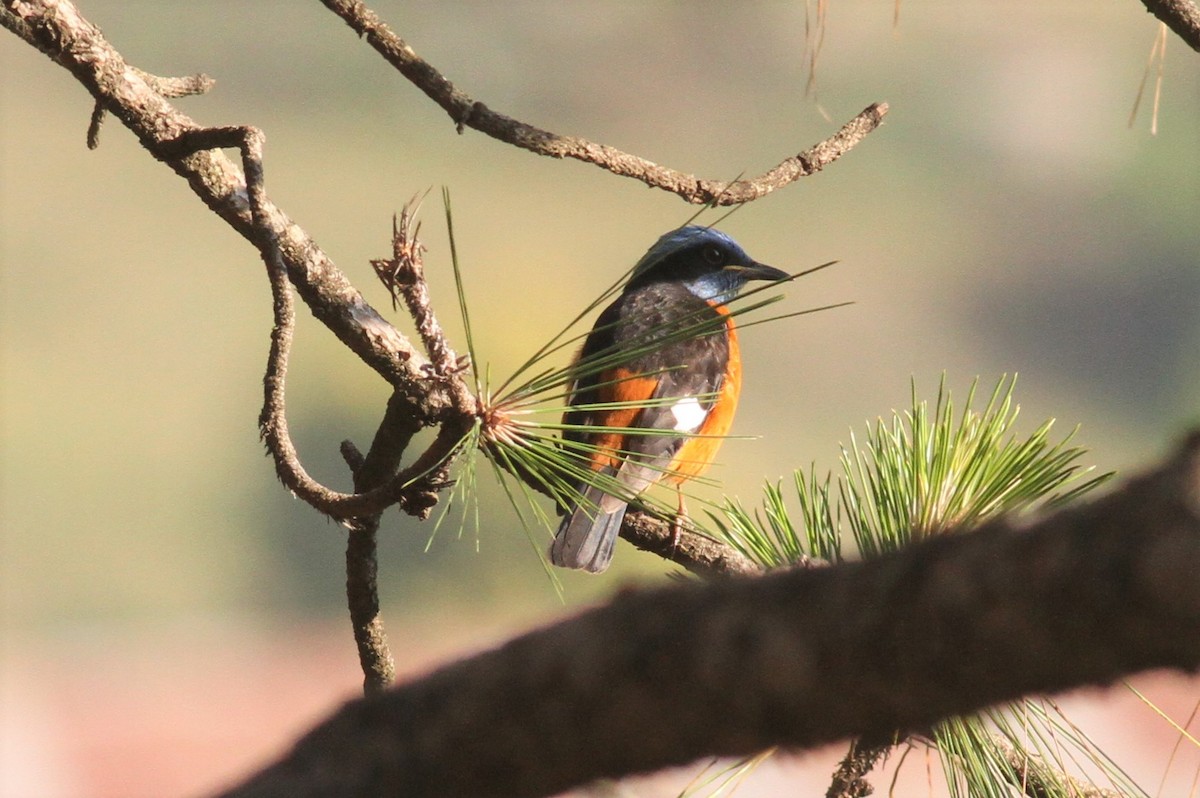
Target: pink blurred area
177 712
189 708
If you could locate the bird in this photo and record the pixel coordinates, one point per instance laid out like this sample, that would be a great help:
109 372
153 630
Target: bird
664 358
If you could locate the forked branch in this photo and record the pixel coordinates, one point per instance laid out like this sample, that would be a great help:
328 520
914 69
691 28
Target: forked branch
58 29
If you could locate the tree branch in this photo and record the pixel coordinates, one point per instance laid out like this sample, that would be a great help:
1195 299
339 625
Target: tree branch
376 470
796 659
165 87
273 420
698 553
468 112
410 487
57 29
1181 16
362 591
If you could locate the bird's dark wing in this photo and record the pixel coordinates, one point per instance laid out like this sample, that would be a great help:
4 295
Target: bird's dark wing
678 352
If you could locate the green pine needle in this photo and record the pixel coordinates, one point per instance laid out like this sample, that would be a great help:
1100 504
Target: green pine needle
460 288
714 782
922 473
931 471
1026 748
463 493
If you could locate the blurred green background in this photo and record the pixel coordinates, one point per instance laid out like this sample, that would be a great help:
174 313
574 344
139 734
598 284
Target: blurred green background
1004 219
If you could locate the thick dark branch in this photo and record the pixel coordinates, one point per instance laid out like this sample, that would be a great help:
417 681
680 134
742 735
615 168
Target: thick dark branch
794 659
1181 16
467 112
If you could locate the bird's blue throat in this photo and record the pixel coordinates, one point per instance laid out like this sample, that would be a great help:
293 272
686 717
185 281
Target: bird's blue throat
719 287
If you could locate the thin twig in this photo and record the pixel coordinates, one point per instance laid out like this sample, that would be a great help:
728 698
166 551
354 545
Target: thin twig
378 469
352 456
404 277
465 112
395 432
362 582
163 87
362 598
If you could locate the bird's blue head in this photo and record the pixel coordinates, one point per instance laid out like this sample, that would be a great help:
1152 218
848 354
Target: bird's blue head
709 263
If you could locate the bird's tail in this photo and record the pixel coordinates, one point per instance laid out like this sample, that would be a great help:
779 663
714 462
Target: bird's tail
587 534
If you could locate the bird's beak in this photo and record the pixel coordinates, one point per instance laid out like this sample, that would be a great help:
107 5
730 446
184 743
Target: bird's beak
761 271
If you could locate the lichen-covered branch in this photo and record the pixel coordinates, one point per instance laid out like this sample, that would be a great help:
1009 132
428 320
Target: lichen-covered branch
58 29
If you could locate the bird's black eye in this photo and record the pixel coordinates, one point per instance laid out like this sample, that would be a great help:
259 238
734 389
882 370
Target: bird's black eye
713 255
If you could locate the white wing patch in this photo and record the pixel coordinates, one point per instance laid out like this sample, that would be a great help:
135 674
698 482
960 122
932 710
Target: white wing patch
689 415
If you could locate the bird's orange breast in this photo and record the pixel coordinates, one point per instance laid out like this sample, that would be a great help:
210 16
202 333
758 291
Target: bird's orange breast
698 452
629 390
